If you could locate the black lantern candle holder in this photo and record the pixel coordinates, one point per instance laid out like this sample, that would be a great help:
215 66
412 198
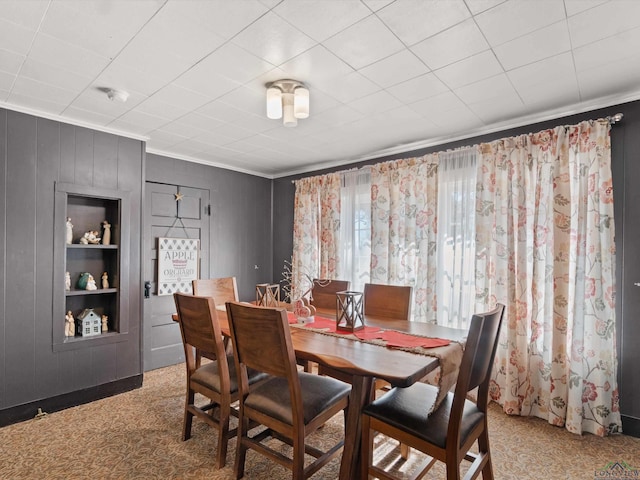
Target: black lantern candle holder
349 311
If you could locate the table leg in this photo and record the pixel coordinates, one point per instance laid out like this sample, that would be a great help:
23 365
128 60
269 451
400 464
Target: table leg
361 395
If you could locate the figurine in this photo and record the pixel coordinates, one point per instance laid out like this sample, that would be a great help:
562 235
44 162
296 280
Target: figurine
90 237
105 323
105 280
91 283
67 281
69 231
70 325
106 234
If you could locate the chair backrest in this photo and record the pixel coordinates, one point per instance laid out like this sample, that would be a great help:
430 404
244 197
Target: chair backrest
261 339
222 290
389 301
477 361
199 327
323 292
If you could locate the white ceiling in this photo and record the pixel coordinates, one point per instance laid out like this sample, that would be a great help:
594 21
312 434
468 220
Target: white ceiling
385 76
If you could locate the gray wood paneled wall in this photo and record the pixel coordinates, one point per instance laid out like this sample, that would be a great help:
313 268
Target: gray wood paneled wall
34 154
625 147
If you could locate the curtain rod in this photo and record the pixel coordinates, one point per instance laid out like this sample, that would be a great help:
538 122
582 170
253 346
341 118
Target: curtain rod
613 119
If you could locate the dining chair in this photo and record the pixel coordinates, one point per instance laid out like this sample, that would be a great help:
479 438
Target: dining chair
291 404
388 301
323 292
216 380
448 433
223 290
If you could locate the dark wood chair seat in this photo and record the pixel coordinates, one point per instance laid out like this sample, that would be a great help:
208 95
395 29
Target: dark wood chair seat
208 375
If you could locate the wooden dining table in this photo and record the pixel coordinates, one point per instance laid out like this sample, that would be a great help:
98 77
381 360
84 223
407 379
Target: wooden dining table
362 362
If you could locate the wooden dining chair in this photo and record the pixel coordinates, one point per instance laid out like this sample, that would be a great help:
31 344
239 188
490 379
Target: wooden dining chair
388 301
291 404
323 293
223 290
216 380
449 432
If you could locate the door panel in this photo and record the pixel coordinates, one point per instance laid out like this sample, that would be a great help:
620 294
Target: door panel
171 211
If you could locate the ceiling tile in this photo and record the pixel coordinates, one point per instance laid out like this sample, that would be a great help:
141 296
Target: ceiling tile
456 43
395 69
87 116
418 88
497 107
180 97
143 121
10 62
478 6
43 72
378 102
576 6
237 64
512 19
221 111
603 53
26 14
543 43
120 76
41 104
273 39
469 70
553 77
413 21
158 108
67 56
95 100
44 91
489 89
15 38
350 87
437 105
315 64
364 43
338 116
376 5
6 81
319 22
603 21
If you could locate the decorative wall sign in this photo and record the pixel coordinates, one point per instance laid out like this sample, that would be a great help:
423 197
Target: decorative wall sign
177 264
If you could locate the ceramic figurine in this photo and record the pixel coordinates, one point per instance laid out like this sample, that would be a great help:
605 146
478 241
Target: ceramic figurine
105 323
105 280
69 237
70 325
67 281
90 237
91 283
106 233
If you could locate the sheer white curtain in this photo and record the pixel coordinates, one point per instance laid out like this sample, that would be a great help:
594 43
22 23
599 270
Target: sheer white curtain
456 237
355 228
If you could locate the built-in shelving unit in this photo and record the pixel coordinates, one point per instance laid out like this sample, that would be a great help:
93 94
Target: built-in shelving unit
87 208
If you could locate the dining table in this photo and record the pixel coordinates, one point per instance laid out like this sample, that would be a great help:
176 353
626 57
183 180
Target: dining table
361 362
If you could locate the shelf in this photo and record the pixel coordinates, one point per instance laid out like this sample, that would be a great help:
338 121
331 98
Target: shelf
91 246
71 293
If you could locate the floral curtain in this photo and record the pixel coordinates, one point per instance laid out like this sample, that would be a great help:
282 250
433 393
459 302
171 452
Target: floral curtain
545 248
316 225
403 229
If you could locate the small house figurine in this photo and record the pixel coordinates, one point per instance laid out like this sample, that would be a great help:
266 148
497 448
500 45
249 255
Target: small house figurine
89 323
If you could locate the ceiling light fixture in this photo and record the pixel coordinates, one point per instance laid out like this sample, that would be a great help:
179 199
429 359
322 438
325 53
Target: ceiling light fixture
289 100
117 95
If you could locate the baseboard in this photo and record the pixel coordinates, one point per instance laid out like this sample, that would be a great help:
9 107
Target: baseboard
28 411
631 426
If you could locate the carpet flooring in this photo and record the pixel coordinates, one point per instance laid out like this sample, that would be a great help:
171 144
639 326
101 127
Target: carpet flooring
136 435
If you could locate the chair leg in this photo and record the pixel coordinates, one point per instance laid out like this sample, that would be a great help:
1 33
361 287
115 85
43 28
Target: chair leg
298 457
366 447
241 448
483 447
188 416
223 434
